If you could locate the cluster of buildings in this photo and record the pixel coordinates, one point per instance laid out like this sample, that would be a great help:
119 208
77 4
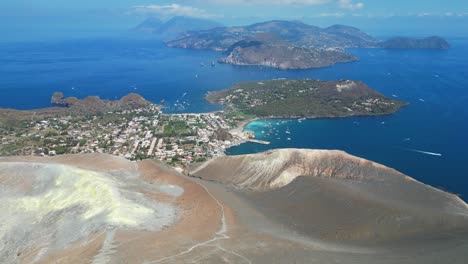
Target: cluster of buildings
178 139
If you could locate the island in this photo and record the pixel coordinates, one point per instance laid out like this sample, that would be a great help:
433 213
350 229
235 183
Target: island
434 42
88 181
271 51
308 98
290 45
297 33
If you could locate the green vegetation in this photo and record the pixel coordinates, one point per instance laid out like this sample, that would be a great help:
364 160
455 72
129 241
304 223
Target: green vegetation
235 116
303 98
51 134
177 128
61 150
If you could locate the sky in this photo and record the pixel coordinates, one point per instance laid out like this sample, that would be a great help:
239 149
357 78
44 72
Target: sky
23 19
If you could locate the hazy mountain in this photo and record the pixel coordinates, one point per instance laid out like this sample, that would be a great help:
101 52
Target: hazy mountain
297 33
150 25
412 43
175 25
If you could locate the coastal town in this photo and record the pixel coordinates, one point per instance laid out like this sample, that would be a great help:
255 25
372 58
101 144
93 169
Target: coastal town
137 134
137 129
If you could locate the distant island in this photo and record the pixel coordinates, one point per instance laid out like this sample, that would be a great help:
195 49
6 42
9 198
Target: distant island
291 44
412 43
305 98
174 26
296 33
279 44
270 51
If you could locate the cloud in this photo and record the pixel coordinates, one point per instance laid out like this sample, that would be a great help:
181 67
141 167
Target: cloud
171 10
344 4
348 4
331 15
446 14
267 2
185 9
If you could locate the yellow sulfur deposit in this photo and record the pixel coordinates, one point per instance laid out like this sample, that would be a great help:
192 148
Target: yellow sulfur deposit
98 193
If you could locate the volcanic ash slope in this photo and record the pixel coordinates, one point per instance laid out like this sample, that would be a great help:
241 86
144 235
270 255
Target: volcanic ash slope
98 209
335 197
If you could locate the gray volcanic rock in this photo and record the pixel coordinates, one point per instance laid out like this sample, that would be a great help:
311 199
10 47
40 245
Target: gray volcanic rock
297 33
105 209
332 196
412 43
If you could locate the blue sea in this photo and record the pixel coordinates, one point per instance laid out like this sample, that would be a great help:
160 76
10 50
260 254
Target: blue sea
427 140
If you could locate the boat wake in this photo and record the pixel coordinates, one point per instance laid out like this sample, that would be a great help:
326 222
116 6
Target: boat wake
426 152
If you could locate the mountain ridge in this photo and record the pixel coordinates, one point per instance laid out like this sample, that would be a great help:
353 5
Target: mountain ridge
296 32
174 26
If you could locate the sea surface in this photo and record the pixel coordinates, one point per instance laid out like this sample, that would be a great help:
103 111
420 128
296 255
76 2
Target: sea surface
427 140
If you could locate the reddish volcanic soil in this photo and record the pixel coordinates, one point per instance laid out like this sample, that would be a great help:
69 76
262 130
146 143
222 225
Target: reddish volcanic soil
284 206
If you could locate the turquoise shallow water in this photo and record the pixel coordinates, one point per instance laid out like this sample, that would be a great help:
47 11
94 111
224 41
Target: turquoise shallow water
426 140
435 83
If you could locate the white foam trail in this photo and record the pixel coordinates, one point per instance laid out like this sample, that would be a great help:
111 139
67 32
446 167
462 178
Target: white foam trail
426 152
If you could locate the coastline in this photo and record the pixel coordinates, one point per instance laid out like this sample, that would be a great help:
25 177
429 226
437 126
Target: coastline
241 126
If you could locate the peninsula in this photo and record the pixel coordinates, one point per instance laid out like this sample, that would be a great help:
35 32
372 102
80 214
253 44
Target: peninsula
305 98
